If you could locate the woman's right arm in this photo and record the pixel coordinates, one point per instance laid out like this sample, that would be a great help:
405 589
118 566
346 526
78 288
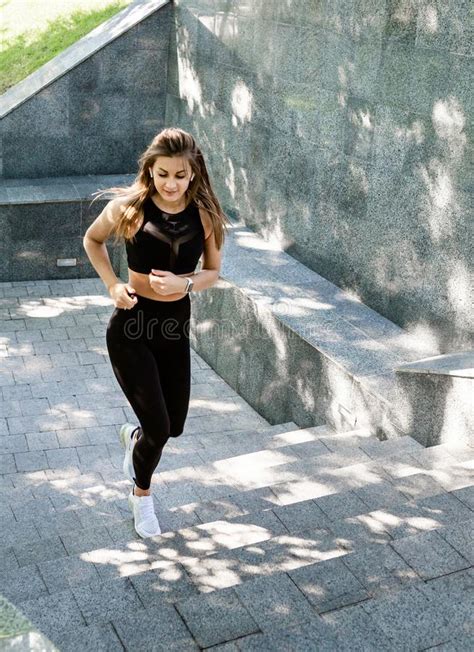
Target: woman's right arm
94 244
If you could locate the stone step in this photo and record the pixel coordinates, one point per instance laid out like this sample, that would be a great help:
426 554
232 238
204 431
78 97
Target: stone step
87 500
47 515
333 564
75 534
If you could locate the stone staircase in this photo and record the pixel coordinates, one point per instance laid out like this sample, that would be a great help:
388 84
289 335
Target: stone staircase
274 537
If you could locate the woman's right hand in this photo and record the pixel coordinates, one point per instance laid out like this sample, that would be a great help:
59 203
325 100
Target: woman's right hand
120 294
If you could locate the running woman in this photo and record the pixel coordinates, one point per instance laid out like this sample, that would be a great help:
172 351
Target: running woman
168 218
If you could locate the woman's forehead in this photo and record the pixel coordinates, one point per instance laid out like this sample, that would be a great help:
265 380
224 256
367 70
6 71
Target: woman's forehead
172 163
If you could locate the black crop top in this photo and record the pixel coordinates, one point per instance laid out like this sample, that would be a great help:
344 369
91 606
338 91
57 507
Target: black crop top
168 241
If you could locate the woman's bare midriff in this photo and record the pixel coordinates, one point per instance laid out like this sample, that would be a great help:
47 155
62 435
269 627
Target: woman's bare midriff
141 284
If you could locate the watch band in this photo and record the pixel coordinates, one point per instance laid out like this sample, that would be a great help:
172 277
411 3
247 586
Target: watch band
190 284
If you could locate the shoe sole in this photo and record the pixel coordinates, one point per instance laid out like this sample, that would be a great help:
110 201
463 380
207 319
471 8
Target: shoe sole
125 441
142 534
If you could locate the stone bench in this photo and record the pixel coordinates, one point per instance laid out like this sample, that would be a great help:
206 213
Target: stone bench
298 348
43 222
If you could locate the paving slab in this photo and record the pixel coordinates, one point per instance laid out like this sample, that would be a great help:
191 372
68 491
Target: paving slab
216 618
430 555
380 569
84 638
274 602
329 585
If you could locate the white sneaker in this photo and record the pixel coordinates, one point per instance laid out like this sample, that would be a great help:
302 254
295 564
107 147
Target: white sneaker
128 441
146 523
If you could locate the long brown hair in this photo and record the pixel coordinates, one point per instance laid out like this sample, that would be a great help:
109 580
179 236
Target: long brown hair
171 141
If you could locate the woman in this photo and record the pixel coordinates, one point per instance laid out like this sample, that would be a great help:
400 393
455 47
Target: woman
168 218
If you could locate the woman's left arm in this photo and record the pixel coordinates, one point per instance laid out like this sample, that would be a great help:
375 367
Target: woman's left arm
211 258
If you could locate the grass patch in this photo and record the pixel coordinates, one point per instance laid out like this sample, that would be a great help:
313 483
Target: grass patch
23 53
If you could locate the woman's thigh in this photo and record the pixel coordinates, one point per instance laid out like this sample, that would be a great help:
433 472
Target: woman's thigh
135 366
171 348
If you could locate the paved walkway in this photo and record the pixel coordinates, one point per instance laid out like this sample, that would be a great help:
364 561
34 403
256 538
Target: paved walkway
275 537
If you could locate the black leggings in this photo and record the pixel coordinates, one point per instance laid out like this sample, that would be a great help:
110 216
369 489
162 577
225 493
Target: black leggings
149 350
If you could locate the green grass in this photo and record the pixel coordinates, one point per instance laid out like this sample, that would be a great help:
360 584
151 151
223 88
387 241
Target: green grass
23 52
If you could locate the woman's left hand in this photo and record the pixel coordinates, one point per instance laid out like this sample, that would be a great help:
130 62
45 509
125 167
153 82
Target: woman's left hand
163 282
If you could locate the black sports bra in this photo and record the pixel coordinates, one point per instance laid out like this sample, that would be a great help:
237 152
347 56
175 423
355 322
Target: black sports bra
168 241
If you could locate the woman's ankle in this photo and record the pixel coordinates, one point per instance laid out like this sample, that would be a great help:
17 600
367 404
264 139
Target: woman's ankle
141 492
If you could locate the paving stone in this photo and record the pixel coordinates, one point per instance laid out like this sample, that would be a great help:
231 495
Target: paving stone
85 540
31 461
256 500
456 476
20 584
410 620
84 638
274 602
53 614
167 584
461 538
300 516
354 531
444 508
329 585
15 532
401 521
313 635
8 561
380 495
61 574
34 508
418 486
341 505
143 630
34 552
355 631
456 587
41 440
212 510
380 569
216 618
104 601
465 495
429 554
103 513
7 463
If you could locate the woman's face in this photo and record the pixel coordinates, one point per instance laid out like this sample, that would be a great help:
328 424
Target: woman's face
172 176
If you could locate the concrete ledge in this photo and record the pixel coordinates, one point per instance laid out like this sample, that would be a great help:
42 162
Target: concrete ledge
77 53
44 220
442 391
57 189
298 348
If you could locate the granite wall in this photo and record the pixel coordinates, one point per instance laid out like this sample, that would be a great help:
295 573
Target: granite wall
342 130
100 115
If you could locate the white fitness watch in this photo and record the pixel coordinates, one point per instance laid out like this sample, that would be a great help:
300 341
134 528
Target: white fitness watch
190 284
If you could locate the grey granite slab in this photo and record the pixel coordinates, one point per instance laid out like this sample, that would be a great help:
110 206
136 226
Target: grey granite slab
430 555
341 505
19 584
380 569
329 585
88 637
274 602
53 614
100 602
461 537
216 618
354 630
